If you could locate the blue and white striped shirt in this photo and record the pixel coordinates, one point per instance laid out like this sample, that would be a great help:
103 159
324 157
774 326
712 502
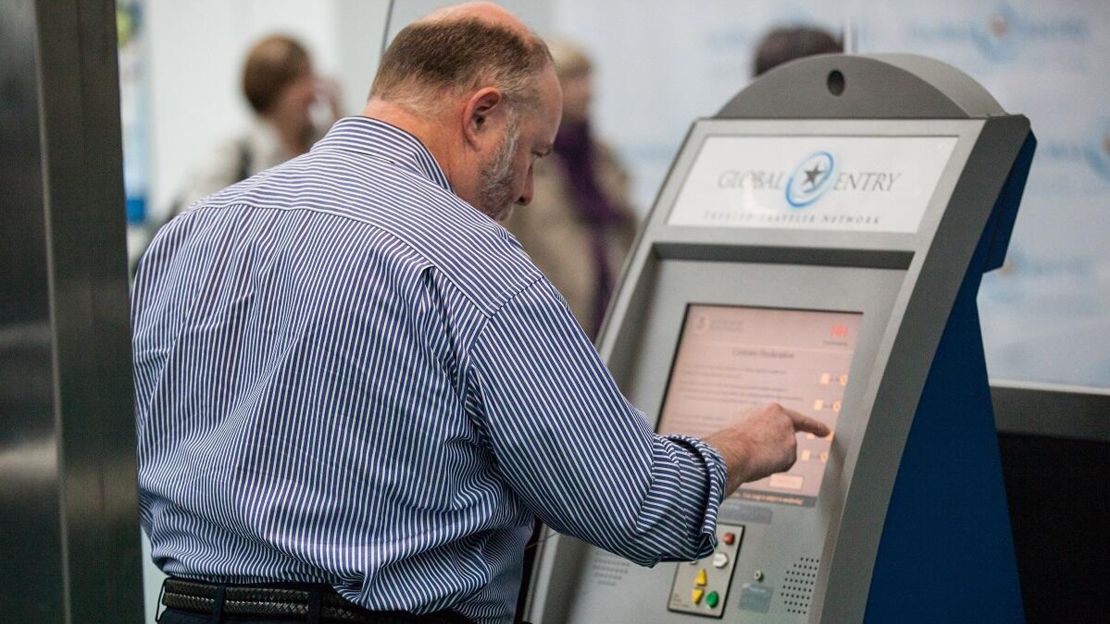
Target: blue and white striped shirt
346 374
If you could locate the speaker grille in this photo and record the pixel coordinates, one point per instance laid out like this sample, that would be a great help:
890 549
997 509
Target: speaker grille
797 586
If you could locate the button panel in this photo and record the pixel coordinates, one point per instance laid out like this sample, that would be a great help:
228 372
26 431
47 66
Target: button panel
701 587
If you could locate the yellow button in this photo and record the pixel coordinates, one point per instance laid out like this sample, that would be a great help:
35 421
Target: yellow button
696 595
701 579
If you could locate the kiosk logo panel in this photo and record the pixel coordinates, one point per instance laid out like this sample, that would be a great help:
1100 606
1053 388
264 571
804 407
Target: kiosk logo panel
730 359
866 184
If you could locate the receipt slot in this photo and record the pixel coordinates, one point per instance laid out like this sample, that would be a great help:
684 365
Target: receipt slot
820 243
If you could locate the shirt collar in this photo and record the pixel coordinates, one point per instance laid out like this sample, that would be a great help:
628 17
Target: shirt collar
379 139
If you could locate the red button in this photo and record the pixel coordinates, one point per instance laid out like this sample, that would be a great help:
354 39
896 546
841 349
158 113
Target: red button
728 538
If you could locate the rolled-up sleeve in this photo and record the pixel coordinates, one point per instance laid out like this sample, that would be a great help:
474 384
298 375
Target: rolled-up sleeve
571 446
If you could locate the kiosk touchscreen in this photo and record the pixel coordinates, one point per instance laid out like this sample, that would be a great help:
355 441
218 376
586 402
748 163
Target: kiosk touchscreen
819 243
732 358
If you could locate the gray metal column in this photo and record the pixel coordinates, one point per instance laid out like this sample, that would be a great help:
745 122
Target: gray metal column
69 547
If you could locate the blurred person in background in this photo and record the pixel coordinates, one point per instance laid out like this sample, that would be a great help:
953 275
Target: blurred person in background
292 108
581 224
793 42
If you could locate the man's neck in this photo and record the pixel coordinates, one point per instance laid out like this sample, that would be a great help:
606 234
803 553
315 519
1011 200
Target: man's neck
429 130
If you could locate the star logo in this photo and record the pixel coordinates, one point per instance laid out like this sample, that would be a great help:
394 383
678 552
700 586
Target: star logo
812 178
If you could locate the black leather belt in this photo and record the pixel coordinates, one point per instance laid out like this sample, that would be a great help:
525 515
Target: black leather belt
285 601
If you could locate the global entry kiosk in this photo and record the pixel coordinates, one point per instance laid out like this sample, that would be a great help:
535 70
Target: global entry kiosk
820 243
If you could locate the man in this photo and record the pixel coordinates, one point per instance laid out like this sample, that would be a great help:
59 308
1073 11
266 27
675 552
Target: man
349 377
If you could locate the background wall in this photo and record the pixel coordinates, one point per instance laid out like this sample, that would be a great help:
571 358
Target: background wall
1047 311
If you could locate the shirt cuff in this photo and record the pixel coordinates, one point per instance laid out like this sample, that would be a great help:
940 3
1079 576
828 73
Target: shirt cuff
716 473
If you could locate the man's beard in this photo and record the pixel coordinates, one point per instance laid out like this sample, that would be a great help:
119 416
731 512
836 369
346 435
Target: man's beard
496 195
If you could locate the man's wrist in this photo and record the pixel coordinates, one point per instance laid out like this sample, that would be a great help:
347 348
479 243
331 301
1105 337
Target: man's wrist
735 452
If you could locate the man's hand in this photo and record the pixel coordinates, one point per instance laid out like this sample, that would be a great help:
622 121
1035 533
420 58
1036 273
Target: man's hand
762 443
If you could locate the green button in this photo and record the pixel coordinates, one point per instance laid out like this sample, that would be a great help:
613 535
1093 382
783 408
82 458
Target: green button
712 599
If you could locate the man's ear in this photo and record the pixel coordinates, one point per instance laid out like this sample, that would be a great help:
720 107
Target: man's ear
484 106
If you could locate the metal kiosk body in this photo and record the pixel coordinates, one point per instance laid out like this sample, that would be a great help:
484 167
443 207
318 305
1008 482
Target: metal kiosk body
820 243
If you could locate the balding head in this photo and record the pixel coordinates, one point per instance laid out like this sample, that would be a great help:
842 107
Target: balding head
459 49
487 12
479 90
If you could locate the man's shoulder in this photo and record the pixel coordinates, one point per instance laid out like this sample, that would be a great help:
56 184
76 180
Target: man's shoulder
478 256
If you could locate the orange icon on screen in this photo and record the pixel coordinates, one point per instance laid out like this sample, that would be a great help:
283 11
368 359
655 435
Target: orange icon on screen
839 331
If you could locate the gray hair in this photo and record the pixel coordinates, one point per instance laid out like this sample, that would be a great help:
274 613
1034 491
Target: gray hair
427 59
